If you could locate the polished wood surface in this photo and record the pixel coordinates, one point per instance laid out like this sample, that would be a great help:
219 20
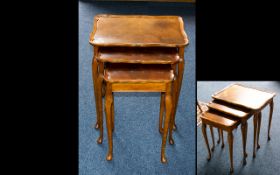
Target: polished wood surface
154 55
138 30
227 110
218 120
138 73
244 96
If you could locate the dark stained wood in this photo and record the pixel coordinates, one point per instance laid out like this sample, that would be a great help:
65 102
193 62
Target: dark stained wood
138 30
146 55
227 110
138 73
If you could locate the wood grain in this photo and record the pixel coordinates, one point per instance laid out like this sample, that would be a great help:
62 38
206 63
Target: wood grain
138 31
136 55
244 96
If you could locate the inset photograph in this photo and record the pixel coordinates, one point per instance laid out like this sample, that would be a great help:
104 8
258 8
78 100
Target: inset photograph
237 127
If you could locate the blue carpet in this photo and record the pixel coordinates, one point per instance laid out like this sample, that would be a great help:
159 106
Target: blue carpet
267 159
136 138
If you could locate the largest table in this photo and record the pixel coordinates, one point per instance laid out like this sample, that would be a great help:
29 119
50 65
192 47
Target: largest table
251 99
136 39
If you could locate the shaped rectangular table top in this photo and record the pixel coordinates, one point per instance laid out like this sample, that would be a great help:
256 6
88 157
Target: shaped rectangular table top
130 73
218 120
228 110
143 55
138 30
244 96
